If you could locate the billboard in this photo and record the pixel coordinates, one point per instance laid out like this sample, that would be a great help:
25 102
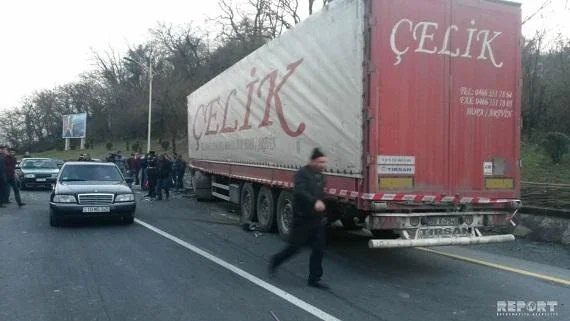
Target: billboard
74 126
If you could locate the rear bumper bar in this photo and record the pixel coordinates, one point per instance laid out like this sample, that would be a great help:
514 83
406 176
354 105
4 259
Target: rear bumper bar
380 243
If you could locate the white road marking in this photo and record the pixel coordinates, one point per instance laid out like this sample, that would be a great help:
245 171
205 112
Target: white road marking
253 279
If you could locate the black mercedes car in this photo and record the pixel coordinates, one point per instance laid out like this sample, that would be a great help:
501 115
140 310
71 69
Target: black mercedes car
91 190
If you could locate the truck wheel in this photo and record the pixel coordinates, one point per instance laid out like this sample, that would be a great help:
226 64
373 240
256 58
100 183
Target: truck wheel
266 209
348 223
285 215
349 214
202 185
247 202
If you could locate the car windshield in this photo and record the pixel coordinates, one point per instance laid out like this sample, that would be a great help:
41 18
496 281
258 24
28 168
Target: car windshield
90 173
39 164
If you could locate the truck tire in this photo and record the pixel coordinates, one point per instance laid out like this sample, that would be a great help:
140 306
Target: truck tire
202 185
349 214
348 223
266 209
247 202
285 214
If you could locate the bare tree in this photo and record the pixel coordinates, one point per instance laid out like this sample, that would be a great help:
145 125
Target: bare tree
312 3
545 4
260 21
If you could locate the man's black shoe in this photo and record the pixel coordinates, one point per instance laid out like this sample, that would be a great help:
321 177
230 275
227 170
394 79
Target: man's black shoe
319 285
21 204
272 269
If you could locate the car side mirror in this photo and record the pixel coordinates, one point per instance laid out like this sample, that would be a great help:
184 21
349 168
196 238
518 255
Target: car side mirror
129 180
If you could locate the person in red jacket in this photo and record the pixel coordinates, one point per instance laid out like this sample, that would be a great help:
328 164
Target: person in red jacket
10 168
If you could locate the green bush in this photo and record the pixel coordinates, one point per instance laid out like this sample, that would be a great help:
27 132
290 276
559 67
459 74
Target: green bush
60 145
109 146
556 146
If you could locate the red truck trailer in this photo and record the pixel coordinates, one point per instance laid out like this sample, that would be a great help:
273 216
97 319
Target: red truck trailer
417 103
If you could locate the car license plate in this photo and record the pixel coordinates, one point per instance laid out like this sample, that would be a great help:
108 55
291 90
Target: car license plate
98 209
441 220
41 179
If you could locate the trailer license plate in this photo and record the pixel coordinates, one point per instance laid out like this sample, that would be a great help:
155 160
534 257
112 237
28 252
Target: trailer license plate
441 220
499 183
41 179
98 209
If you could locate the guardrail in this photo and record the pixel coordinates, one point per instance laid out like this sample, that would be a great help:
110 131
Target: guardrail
555 196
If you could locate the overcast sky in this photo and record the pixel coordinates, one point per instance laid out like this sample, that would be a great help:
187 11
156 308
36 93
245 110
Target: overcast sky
46 43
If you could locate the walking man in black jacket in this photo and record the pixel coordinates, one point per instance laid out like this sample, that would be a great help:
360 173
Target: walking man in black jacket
152 174
164 173
4 187
308 219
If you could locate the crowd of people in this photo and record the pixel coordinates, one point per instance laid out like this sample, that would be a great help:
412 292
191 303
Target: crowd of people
8 180
155 174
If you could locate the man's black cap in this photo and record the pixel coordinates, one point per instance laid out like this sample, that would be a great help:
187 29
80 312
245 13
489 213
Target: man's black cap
316 154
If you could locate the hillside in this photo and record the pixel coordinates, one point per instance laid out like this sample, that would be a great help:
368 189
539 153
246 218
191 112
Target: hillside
99 151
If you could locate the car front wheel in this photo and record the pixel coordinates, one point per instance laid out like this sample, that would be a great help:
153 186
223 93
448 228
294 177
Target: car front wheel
129 219
53 219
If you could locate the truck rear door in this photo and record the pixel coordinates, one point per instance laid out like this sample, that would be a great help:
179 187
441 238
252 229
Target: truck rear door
409 92
444 99
485 101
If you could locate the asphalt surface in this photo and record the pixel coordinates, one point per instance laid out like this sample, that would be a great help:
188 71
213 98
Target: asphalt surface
108 271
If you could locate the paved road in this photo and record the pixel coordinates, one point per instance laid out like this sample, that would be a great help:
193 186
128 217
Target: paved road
99 271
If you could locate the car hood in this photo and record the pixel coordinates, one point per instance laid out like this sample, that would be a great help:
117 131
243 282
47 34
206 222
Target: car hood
40 171
92 187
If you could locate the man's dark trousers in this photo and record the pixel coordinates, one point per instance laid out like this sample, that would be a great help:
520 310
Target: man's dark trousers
306 232
152 181
11 184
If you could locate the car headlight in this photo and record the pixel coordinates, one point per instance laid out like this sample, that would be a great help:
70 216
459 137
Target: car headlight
64 199
125 198
29 175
